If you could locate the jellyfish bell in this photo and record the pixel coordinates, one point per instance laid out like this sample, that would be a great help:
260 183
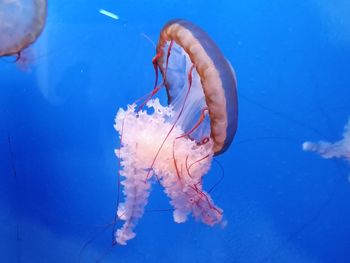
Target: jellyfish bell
22 21
176 143
214 81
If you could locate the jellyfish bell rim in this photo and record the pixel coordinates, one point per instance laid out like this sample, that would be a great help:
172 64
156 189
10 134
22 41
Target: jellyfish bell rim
217 77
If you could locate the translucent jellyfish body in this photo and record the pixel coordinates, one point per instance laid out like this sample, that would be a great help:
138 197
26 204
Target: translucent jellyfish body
21 22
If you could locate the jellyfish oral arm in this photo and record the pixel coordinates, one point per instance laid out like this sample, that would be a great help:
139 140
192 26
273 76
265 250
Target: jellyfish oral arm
339 149
137 191
328 150
142 133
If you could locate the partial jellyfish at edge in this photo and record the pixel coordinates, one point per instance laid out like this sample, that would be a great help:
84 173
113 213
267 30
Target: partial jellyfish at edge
339 149
21 24
175 144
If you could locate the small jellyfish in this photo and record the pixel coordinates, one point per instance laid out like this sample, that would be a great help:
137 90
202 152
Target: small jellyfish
339 149
21 22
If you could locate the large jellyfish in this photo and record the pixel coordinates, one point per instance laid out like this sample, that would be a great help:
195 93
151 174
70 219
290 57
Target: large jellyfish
21 22
175 144
339 149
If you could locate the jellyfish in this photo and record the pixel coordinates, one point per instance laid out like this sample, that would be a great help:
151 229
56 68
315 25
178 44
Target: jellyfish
174 144
21 24
339 149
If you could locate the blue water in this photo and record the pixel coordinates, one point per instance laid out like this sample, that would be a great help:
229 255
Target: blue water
58 172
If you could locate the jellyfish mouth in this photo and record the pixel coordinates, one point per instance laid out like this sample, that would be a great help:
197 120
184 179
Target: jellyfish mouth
179 167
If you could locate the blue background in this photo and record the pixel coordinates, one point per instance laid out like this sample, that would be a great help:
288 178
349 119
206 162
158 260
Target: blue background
58 172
